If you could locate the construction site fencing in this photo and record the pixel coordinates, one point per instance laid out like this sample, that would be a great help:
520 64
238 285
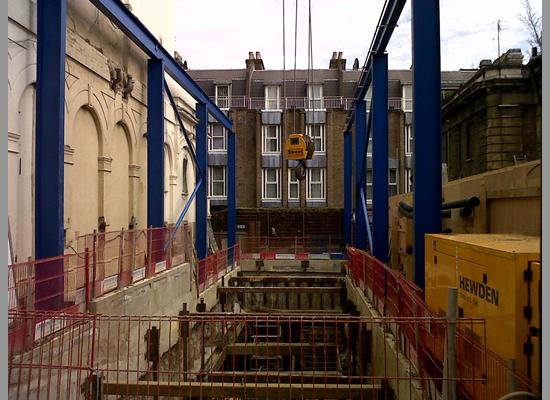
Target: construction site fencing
101 262
216 265
224 355
392 295
299 247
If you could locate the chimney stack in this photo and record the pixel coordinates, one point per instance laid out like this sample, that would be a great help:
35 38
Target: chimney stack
337 62
255 63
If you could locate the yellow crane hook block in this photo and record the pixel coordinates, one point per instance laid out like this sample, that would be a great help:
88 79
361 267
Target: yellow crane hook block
299 147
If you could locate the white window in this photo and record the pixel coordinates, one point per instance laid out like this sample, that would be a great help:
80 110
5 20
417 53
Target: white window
317 134
408 139
216 181
293 186
272 97
407 98
369 148
408 180
271 139
217 138
369 186
271 188
392 178
222 96
315 97
316 184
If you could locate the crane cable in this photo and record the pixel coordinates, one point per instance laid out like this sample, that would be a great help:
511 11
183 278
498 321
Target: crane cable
295 46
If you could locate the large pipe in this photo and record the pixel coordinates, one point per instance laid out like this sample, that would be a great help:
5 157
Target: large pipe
464 204
407 211
471 202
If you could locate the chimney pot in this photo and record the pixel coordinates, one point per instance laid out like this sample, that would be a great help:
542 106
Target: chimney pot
258 56
340 55
334 55
250 55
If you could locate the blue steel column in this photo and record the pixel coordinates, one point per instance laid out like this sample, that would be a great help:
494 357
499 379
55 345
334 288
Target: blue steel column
360 161
155 143
380 157
231 189
201 204
348 186
426 126
50 127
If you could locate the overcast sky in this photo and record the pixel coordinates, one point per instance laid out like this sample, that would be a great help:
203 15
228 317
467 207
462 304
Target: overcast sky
220 33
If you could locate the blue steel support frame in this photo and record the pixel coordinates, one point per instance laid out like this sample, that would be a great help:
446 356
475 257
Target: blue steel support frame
155 143
50 141
361 219
231 189
380 192
201 210
426 127
386 24
348 188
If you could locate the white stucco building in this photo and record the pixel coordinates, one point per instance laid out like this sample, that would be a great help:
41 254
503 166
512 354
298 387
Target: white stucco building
105 124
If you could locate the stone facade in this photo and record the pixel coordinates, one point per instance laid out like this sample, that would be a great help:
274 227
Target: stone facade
105 132
494 120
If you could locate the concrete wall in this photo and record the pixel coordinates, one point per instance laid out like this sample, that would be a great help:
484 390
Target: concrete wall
388 359
105 146
510 203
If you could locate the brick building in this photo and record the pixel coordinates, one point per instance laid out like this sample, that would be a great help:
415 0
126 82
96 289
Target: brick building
265 111
494 120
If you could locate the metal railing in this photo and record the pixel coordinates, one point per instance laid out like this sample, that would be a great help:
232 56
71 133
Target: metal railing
305 103
226 355
395 296
268 247
100 263
216 265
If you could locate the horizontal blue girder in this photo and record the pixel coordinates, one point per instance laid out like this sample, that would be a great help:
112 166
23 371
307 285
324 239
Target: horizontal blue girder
386 24
140 35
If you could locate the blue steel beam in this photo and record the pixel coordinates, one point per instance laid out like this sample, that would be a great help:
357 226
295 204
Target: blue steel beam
49 167
348 179
360 145
201 204
155 143
231 189
200 173
380 157
128 23
426 127
386 24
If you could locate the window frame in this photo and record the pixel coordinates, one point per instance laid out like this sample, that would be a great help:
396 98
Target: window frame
408 184
292 180
368 184
265 183
323 135
395 183
267 99
407 102
311 100
211 138
409 137
228 97
322 182
265 131
211 182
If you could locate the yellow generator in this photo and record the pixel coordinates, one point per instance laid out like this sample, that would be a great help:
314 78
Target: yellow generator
498 277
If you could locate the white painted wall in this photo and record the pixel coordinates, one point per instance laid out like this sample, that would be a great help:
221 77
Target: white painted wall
105 148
